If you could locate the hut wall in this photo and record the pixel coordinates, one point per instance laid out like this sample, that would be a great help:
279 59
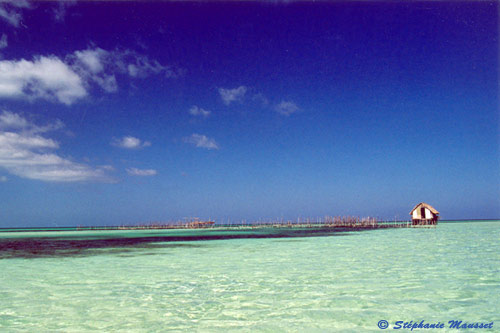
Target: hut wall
428 214
415 214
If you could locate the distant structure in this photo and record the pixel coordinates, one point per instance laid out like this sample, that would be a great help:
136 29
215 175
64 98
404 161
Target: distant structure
200 224
424 214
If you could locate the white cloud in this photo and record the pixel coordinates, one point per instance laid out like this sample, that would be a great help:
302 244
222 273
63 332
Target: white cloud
44 77
92 59
141 172
9 11
286 108
232 95
3 41
197 111
201 141
24 152
23 141
3 179
90 65
50 78
129 142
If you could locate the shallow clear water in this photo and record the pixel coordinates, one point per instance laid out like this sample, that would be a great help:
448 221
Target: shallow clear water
343 282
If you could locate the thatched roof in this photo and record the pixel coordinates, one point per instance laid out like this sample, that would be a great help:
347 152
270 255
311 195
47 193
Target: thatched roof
429 207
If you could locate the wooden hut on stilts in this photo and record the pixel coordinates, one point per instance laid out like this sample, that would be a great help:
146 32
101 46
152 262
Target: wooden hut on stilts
424 214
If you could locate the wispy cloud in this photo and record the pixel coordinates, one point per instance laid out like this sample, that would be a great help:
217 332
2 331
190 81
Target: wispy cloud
90 65
102 67
3 179
44 77
141 66
232 95
12 120
197 111
141 172
16 122
12 17
60 10
10 11
25 151
201 141
3 41
95 61
261 99
129 142
286 108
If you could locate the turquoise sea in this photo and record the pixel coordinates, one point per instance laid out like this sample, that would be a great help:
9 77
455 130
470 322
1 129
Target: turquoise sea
220 280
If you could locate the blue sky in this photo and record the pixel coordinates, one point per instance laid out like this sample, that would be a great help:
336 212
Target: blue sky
128 112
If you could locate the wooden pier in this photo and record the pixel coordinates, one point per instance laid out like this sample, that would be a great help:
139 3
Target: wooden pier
344 223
